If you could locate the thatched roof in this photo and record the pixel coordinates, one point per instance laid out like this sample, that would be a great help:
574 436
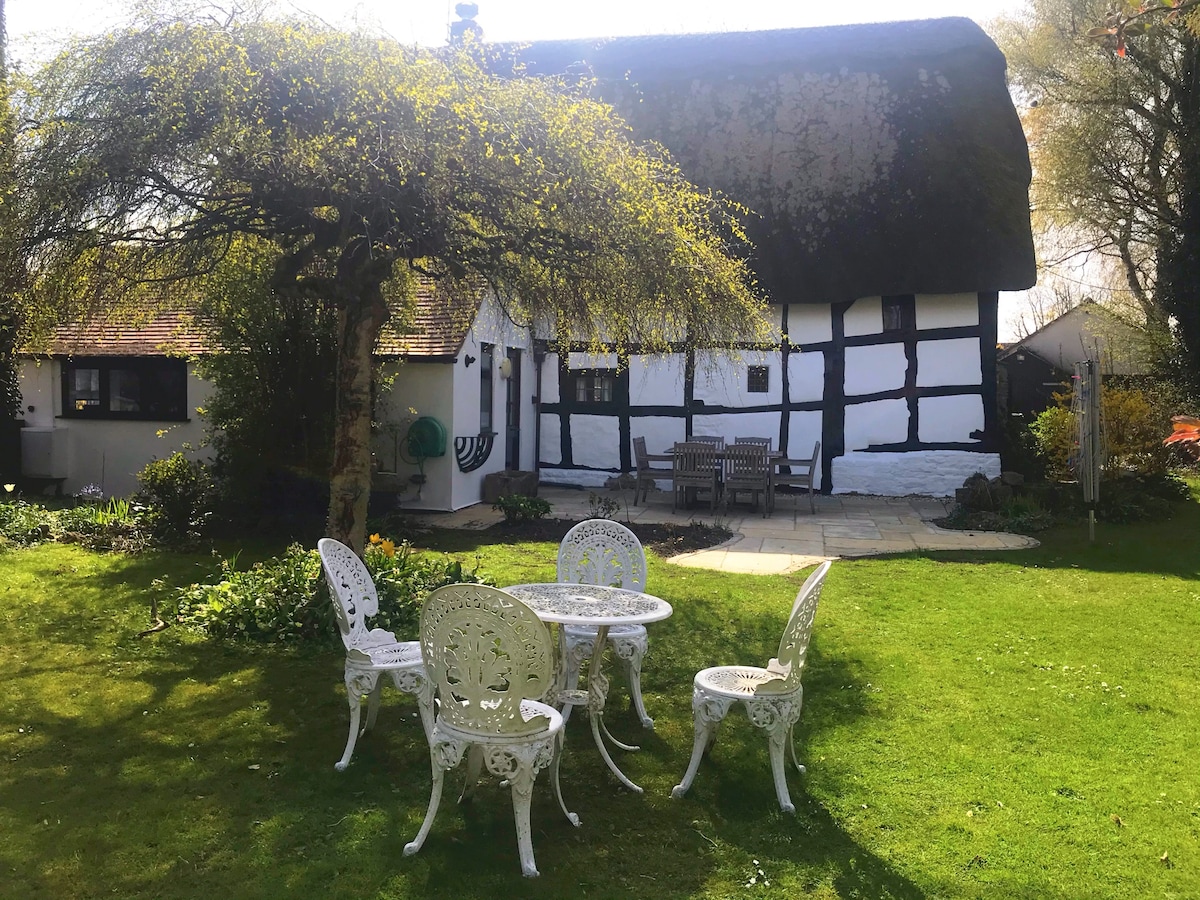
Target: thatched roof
880 159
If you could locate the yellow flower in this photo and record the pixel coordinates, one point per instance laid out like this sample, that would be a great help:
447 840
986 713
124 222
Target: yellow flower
374 539
10 487
388 548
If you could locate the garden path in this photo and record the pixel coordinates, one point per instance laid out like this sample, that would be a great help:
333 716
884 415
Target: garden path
844 525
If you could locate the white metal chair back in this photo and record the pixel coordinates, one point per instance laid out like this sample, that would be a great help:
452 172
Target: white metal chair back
793 646
485 651
601 551
354 597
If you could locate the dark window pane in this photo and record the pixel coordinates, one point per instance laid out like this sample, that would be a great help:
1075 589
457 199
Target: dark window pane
83 390
124 391
758 377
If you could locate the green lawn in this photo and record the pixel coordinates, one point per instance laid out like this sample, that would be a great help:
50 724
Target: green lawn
1018 725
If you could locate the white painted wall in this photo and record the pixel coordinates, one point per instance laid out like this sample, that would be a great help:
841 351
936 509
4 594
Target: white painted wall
596 441
955 361
722 380
812 323
661 432
864 316
111 452
935 473
876 422
806 376
731 425
655 380
870 370
451 393
945 420
947 310
417 389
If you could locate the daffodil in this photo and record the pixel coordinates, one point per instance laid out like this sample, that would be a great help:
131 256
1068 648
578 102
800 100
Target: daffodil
388 548
375 539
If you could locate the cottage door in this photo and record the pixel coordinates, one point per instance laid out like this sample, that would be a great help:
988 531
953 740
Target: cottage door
512 431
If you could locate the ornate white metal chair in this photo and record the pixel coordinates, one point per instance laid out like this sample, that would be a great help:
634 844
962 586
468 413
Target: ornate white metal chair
601 551
372 653
491 660
772 696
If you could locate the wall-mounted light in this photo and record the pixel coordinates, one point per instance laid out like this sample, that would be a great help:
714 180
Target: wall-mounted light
505 367
467 362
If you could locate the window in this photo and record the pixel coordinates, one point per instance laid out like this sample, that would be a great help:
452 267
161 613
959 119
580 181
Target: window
758 378
486 358
893 314
125 388
595 386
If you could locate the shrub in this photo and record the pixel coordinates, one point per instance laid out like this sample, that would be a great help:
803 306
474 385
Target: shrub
1055 432
178 496
285 599
518 508
280 599
23 523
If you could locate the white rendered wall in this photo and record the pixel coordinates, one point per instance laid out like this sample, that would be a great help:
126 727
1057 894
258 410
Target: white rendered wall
871 370
418 389
595 441
876 422
806 376
722 381
932 472
864 316
804 430
551 426
950 420
947 310
955 361
812 323
656 380
732 425
661 432
110 452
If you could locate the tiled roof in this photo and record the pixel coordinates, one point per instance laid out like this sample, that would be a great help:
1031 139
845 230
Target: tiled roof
438 326
437 330
167 334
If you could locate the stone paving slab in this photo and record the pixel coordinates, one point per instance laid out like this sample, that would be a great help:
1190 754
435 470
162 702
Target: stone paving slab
844 525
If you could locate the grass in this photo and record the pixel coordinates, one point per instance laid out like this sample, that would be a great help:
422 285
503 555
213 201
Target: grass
1017 725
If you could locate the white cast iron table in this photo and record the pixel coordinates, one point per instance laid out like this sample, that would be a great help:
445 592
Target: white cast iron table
564 603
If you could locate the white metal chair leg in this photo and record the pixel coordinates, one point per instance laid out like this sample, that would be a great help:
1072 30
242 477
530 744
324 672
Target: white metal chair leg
357 685
474 767
620 744
373 704
555 765
708 713
521 782
631 652
778 735
435 798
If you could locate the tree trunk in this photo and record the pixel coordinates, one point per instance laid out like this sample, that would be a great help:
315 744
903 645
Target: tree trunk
359 324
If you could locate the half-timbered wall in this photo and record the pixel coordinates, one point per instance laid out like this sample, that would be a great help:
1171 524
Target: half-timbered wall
899 390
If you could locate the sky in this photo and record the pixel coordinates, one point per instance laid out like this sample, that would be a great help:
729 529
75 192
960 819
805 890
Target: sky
35 26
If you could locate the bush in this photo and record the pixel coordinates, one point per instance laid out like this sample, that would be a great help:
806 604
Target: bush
177 494
518 508
1133 428
285 599
24 523
1056 434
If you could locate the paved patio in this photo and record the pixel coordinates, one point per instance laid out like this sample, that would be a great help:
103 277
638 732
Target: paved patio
844 525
